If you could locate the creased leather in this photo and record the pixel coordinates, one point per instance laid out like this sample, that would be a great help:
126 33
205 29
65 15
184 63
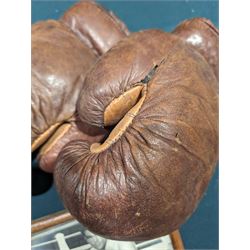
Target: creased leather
75 130
59 60
150 181
143 52
61 57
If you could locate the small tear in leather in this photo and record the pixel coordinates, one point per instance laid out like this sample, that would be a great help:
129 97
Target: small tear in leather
149 76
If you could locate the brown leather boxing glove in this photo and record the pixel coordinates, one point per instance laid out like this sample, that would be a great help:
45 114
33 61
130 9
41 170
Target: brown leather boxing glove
201 34
148 176
62 53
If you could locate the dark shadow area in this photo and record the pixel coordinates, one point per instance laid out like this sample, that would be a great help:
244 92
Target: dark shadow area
41 181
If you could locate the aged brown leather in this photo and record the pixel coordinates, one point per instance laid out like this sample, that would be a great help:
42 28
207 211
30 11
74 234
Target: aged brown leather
149 175
65 133
61 57
95 26
201 34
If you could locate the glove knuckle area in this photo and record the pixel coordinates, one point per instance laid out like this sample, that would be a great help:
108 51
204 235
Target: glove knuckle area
150 180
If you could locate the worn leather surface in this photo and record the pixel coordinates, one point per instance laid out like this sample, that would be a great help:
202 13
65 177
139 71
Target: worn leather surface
201 34
59 60
121 105
128 70
67 132
95 26
61 57
149 181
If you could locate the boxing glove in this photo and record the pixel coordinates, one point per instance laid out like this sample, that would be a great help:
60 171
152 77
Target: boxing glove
201 34
146 178
62 53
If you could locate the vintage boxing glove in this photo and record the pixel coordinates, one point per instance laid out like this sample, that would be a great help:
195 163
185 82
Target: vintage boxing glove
147 177
62 53
201 34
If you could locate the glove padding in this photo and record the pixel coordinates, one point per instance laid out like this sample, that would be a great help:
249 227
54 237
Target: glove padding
148 176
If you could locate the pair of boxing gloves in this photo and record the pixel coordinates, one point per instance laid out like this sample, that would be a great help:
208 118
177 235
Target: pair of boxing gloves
128 123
